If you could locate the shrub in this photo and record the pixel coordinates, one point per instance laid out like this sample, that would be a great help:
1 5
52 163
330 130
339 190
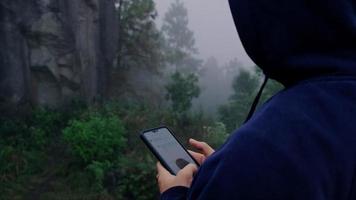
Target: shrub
138 181
96 138
22 148
97 171
24 142
97 142
48 121
86 152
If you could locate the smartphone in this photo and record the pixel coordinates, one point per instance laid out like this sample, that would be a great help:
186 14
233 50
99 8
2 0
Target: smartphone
167 149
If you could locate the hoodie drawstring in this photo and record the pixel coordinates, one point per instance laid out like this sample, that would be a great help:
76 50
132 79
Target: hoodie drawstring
257 99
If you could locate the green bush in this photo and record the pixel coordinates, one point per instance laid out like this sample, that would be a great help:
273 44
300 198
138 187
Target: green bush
97 142
97 171
95 138
22 147
48 121
86 153
138 179
24 142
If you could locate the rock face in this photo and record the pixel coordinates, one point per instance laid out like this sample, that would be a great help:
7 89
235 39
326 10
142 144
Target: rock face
52 51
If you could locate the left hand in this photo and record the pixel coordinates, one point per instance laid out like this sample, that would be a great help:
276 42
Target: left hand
166 180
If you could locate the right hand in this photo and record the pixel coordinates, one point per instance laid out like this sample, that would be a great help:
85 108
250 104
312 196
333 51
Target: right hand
166 180
204 150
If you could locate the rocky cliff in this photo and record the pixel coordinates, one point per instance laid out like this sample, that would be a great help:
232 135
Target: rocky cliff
52 51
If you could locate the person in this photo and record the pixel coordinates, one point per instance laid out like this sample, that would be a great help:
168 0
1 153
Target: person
301 144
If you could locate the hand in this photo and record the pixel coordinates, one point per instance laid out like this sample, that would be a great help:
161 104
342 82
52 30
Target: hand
166 180
204 150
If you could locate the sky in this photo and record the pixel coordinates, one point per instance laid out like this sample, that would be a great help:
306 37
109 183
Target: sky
214 29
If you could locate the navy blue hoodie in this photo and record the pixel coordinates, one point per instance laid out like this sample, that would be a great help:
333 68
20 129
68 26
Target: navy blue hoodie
301 144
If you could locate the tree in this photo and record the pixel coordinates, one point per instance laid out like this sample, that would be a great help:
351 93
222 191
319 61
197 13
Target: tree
231 70
215 86
180 52
181 91
140 41
245 87
180 42
234 113
140 59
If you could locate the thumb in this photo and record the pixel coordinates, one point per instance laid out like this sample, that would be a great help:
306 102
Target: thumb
161 170
188 171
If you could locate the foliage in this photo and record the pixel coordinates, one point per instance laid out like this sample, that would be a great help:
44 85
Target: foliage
215 83
30 136
95 138
245 87
97 171
216 134
24 144
181 91
234 113
97 142
87 153
94 152
179 39
139 180
139 40
140 56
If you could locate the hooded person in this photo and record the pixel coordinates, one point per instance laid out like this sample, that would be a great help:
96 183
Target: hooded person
301 144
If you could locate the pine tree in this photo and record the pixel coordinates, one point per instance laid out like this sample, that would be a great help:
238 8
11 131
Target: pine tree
245 86
140 59
180 52
180 42
234 113
181 91
140 41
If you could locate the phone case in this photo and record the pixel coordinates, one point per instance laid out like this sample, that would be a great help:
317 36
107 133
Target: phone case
156 154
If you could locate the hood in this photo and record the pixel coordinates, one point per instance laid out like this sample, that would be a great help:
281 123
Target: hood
293 40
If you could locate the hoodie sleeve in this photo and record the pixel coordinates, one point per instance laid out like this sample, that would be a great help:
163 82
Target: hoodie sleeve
175 193
249 169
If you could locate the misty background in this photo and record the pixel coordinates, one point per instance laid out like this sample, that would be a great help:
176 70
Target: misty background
214 29
219 46
80 80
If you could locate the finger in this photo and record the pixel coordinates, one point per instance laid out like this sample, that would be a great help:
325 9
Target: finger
202 146
200 158
188 171
161 171
195 154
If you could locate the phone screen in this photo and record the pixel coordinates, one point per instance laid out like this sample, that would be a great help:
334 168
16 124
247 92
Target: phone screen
168 148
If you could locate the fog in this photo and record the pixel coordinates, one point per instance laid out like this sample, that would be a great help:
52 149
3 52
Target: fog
213 27
80 80
219 46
